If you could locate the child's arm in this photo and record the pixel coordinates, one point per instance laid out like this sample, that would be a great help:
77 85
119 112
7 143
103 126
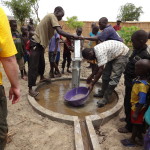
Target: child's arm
142 101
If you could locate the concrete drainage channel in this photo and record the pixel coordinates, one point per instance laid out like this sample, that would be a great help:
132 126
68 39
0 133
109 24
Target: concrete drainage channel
84 130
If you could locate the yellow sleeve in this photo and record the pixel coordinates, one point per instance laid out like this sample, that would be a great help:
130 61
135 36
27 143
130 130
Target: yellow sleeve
7 47
143 88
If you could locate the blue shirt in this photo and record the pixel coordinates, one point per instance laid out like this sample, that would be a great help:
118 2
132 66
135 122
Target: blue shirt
91 34
52 43
109 33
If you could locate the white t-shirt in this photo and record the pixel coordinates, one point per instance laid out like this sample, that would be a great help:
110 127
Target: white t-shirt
109 50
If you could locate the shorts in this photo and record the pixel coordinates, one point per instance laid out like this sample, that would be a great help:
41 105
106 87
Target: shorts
58 56
52 57
140 118
21 63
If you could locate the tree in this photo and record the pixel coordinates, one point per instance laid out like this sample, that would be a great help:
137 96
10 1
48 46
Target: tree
21 9
126 33
73 22
129 12
35 6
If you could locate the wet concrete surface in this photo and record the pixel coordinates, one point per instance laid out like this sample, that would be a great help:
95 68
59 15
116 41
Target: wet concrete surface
52 97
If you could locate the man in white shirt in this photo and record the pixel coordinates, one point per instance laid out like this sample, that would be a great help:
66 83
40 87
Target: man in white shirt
109 52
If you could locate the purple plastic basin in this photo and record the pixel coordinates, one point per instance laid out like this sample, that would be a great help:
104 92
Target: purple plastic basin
74 92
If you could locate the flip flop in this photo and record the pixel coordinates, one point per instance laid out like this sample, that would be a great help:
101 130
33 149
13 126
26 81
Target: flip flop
45 80
122 119
127 143
123 130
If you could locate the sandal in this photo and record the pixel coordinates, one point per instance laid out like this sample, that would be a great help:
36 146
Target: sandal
101 103
122 119
123 130
127 143
33 93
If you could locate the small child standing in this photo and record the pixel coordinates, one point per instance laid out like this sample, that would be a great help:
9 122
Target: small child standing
138 101
67 54
19 46
54 48
25 38
139 40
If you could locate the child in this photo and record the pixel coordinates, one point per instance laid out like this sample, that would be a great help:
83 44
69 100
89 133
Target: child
25 38
95 32
54 48
19 46
79 33
67 54
139 39
138 101
117 26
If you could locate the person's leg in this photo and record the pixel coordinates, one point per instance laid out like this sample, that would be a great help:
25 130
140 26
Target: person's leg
41 63
127 107
57 61
3 118
118 66
57 70
64 62
22 68
105 80
33 69
51 60
52 70
68 62
131 142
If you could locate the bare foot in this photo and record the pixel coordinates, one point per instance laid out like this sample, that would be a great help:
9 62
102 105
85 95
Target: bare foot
24 78
59 75
69 71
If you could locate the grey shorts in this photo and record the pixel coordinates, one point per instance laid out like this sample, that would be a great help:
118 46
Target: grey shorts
52 57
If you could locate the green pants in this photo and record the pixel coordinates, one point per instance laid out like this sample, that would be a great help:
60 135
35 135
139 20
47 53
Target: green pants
3 115
114 69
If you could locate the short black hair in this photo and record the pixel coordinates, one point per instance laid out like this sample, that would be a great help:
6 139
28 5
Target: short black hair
103 19
58 8
79 28
118 20
140 35
96 28
12 21
86 53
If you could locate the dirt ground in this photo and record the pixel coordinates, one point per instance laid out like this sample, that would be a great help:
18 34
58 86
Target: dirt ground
30 131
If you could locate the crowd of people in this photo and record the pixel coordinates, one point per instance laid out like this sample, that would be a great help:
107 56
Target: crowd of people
108 56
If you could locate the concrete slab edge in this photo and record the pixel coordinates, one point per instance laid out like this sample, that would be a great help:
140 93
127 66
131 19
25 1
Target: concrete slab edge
71 120
78 135
50 114
104 117
91 121
92 134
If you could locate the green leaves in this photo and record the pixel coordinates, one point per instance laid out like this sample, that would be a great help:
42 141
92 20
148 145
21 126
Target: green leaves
21 9
126 33
73 22
129 12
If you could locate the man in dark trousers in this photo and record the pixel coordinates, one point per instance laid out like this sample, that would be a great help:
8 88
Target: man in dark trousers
43 33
